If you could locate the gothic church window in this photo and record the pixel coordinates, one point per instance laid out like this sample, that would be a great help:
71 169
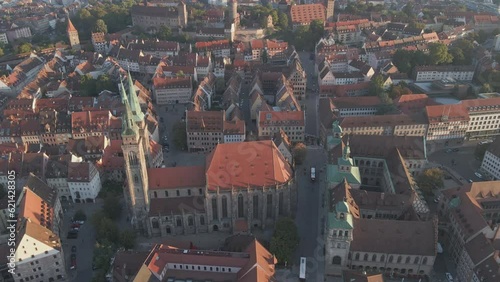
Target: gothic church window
224 207
240 206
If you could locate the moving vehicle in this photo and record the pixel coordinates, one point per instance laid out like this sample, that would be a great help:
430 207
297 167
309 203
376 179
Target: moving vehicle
485 142
302 274
73 261
313 173
72 234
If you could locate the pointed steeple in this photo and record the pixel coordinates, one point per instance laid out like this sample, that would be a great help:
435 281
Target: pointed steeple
70 27
135 107
128 125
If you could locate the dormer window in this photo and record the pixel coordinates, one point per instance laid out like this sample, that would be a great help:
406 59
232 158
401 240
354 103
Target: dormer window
341 216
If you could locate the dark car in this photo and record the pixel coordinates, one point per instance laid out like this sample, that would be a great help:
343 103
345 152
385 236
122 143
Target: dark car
73 234
455 150
73 249
73 261
161 119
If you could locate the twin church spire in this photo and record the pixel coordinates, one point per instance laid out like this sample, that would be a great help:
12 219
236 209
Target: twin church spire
133 113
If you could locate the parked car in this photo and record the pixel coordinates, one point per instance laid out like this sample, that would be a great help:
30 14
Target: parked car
485 142
455 150
447 177
73 249
448 151
478 175
449 277
470 181
72 234
75 226
161 119
73 261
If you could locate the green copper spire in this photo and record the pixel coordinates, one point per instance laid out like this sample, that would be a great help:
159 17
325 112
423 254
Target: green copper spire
138 116
129 127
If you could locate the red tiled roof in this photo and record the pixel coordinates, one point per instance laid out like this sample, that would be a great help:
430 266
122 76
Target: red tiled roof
176 177
307 13
288 117
454 112
240 165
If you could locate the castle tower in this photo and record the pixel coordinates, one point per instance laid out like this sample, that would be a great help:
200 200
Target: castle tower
330 8
339 230
137 192
74 40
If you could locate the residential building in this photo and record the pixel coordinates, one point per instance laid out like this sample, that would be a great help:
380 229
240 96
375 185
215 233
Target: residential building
155 48
99 42
355 106
468 213
431 73
491 160
219 48
291 122
254 264
40 204
176 90
446 122
306 13
484 118
284 145
39 253
150 18
84 182
234 131
397 125
204 130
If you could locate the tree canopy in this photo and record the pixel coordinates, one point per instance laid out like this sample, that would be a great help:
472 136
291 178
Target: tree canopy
299 153
438 54
430 180
285 240
100 26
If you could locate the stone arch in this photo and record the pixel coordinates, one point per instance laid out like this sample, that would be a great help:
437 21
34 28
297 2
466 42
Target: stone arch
337 260
155 223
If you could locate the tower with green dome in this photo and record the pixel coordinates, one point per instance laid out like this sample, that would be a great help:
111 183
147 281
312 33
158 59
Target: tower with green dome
345 168
340 226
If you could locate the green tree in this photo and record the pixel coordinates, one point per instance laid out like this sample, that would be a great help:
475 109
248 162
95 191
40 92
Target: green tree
299 152
180 74
1 52
282 20
458 56
486 88
430 180
317 28
104 82
88 86
164 33
106 229
376 85
275 16
111 188
285 240
112 207
80 215
100 26
397 90
438 54
24 47
402 59
180 138
127 239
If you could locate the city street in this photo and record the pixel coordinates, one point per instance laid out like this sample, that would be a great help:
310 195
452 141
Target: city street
466 163
312 99
84 243
309 215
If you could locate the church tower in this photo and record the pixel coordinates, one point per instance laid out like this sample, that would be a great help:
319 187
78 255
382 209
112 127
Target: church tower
133 144
74 40
330 8
233 11
182 13
339 230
